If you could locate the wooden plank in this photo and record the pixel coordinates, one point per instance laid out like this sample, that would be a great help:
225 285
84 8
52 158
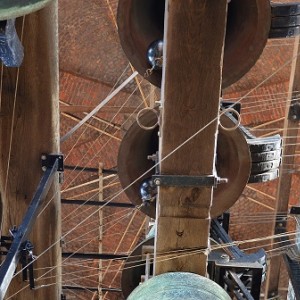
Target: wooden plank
193 54
104 110
285 180
35 125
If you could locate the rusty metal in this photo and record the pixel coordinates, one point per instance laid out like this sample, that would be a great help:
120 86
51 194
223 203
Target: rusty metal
10 9
233 163
141 22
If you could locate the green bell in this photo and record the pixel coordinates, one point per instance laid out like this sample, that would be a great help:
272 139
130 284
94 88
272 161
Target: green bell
179 286
10 9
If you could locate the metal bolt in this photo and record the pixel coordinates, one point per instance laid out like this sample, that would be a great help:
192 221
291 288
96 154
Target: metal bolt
44 157
44 168
157 181
222 180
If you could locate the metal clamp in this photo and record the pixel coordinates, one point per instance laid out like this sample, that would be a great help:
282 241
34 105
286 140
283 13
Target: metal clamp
48 160
187 181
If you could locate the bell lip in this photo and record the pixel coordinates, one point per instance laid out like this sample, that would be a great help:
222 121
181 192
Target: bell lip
230 74
16 9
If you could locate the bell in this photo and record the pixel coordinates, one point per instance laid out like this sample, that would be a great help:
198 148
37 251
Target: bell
179 285
10 9
141 27
135 265
233 161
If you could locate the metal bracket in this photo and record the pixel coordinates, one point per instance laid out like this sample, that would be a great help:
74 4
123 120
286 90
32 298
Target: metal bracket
187 181
21 233
26 260
48 160
285 20
295 210
294 112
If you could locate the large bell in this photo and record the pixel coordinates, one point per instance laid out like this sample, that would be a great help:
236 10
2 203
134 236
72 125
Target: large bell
179 285
10 9
233 163
141 22
135 265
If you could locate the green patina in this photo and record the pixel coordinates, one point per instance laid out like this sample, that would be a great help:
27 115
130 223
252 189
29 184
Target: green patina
179 286
10 9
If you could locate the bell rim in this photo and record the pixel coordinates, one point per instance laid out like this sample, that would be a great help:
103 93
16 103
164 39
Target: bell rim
16 10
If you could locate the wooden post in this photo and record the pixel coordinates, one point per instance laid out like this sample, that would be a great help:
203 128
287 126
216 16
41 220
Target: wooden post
100 248
193 56
31 127
290 134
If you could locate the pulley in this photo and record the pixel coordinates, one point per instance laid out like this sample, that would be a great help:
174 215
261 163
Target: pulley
10 9
233 162
179 285
141 28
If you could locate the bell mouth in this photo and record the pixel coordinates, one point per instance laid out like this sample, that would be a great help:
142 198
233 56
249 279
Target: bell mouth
10 9
141 23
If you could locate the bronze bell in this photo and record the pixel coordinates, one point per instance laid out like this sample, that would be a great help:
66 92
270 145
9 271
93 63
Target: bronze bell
141 23
233 161
10 9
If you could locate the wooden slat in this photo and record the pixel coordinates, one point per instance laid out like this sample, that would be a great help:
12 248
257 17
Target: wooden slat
193 53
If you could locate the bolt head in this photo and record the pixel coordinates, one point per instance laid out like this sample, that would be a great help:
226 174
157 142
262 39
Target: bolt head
157 181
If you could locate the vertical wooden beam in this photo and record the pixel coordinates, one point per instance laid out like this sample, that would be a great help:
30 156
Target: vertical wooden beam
100 248
290 134
35 130
193 56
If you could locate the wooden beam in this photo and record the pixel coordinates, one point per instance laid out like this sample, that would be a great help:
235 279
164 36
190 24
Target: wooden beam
116 126
30 128
285 181
104 110
193 56
76 119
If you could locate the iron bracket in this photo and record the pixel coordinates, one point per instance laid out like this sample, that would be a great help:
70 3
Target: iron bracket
295 210
21 233
294 112
187 181
26 260
48 160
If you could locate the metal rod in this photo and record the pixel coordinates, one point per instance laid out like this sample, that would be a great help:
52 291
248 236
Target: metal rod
97 203
9 265
94 255
92 170
82 288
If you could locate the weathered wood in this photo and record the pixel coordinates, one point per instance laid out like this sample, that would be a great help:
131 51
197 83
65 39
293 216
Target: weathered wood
290 134
35 131
193 55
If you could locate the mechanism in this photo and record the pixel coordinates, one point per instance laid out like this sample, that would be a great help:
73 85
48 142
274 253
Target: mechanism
19 249
241 158
240 274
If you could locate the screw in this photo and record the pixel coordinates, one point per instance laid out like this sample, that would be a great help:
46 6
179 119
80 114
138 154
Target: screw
44 168
43 157
157 181
222 180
